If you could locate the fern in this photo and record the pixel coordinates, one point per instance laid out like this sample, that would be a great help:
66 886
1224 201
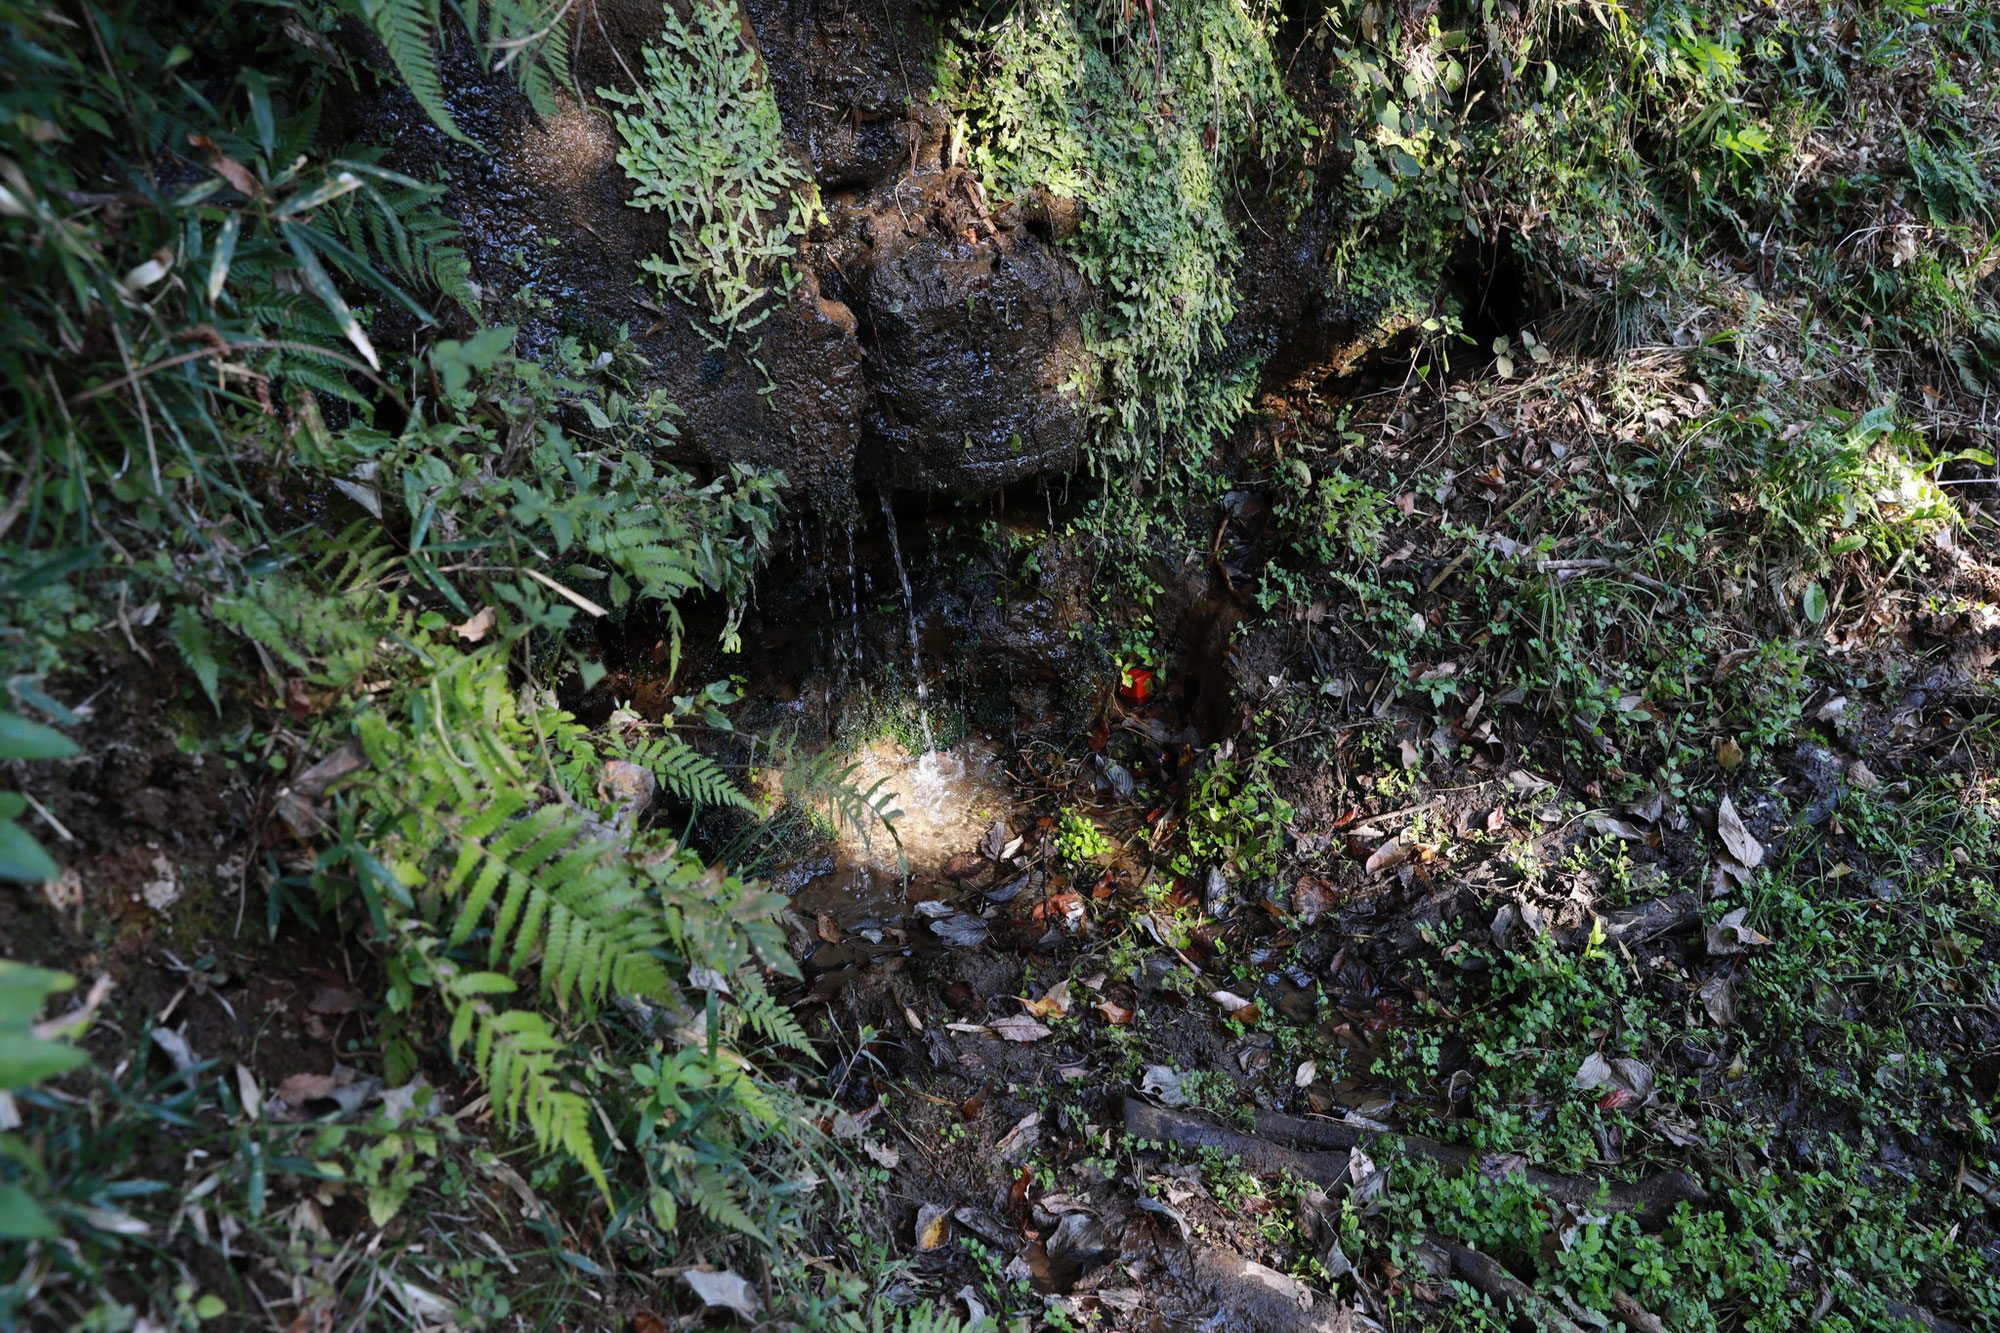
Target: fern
689 774
542 887
532 37
406 29
529 37
760 1011
516 1056
824 780
704 144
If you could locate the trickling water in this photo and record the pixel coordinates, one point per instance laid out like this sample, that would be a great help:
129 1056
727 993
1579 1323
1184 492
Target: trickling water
853 587
835 633
916 646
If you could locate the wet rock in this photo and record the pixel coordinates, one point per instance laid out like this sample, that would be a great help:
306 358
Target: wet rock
850 81
971 328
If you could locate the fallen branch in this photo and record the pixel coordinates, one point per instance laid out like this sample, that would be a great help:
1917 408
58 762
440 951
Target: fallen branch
1533 1313
1634 1315
1651 1202
1600 566
1922 1318
1633 925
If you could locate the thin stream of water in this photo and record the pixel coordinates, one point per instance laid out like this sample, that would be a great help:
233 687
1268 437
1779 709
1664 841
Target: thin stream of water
917 647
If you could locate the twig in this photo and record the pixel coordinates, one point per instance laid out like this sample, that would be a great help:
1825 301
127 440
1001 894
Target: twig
1650 1203
1608 566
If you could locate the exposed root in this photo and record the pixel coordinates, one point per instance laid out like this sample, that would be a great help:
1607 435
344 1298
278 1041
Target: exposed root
1532 1312
1651 1202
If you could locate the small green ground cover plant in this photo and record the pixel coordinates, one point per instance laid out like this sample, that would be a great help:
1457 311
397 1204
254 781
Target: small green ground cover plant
704 145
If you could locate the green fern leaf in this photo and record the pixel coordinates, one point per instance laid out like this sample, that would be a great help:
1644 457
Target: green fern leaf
406 29
694 777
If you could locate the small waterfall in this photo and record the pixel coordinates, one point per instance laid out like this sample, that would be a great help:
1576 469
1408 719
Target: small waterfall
835 634
916 646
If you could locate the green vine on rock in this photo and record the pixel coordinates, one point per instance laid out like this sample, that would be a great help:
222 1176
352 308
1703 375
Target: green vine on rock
1151 125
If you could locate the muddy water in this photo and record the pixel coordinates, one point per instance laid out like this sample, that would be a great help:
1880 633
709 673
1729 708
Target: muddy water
947 800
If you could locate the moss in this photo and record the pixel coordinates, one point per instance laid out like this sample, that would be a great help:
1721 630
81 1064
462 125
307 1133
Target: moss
1152 125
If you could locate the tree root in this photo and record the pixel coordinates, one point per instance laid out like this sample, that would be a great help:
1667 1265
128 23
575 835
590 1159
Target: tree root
1533 1313
1651 1202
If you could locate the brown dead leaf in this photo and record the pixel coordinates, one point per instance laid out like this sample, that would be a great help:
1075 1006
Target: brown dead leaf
1313 897
1115 1014
1718 997
332 1000
933 1225
1736 838
478 627
298 1089
1053 1004
829 929
1058 905
1019 1027
227 167
1388 856
1730 935
1729 754
1023 1137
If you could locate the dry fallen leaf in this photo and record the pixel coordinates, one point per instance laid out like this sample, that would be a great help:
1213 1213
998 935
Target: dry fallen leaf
1388 856
1116 1015
1053 1004
1616 827
478 627
1018 1027
1307 1072
1026 1134
723 1289
933 1225
1729 754
298 1089
332 1000
1718 997
1730 935
1736 838
247 1093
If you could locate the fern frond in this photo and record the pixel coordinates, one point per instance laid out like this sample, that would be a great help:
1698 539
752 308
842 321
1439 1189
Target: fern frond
407 31
824 780
762 1012
720 1200
516 1053
691 775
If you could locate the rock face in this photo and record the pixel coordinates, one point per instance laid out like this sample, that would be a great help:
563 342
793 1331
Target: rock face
932 341
929 341
969 331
